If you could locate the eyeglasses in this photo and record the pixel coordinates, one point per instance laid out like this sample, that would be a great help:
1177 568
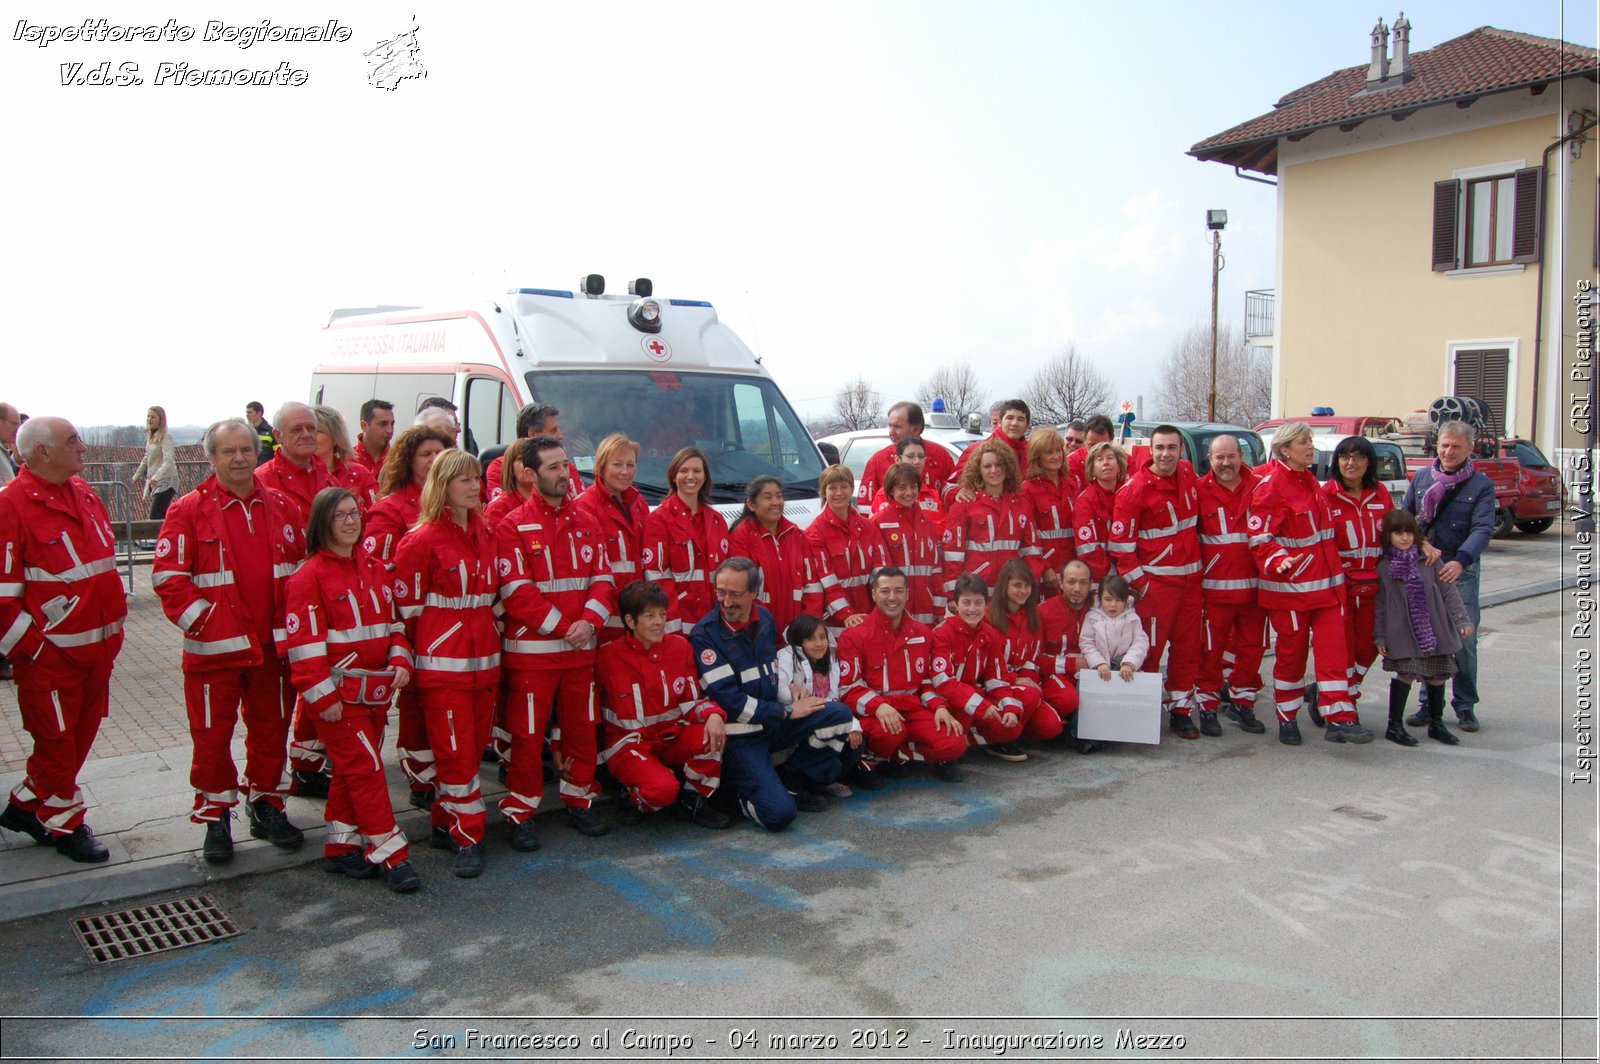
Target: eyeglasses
724 593
347 515
1351 456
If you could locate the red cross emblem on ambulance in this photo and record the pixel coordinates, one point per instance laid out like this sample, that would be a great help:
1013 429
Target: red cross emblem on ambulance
656 349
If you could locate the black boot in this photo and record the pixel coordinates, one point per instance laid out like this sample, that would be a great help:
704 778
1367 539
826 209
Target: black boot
268 822
1396 732
218 847
1312 709
1434 693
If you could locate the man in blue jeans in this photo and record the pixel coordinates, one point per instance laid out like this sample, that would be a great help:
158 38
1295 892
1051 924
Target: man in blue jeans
736 650
1455 506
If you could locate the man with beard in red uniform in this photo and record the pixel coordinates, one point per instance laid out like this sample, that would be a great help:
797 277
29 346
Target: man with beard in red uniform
1235 623
61 613
557 590
1059 657
295 473
223 562
1155 543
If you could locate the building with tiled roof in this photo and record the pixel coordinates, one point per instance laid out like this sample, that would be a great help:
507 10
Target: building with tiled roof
1436 215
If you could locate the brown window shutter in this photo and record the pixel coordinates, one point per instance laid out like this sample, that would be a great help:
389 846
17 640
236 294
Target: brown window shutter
1446 224
1483 375
1527 213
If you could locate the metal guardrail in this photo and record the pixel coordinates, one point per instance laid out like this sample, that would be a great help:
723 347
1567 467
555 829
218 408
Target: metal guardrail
1260 312
119 501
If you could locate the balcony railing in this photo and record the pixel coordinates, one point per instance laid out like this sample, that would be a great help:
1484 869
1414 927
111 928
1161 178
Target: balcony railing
1260 312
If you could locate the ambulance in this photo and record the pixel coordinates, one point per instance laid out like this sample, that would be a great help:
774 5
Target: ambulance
664 371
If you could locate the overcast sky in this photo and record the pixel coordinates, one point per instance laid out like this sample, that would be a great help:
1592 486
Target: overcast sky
862 184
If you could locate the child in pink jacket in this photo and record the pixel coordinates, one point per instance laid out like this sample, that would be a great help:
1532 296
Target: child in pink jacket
1112 637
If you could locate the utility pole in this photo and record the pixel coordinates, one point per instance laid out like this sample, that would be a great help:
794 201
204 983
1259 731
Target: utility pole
1216 267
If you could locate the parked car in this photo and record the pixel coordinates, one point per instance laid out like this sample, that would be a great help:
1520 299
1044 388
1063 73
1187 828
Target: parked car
1392 473
857 448
1332 425
1197 437
1543 492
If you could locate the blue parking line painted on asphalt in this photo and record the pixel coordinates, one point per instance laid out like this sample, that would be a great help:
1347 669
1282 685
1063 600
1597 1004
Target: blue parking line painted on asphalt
973 809
662 899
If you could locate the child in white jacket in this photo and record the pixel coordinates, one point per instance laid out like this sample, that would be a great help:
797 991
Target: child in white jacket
807 665
1112 637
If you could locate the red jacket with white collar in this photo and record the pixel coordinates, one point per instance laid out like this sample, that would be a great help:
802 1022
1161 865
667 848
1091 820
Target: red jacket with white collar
554 572
193 574
62 603
649 695
445 581
1358 528
1290 520
1155 529
341 614
1228 569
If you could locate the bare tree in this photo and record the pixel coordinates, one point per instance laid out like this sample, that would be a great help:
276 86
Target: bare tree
856 405
1066 387
958 385
1244 378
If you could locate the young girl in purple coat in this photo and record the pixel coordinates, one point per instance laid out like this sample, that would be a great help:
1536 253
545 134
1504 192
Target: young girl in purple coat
1418 625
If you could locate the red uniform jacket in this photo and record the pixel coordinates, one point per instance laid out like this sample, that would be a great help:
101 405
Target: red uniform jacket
1228 569
1358 528
649 695
849 551
361 457
388 521
1092 514
554 572
299 485
1058 645
62 603
194 576
936 471
1155 529
621 525
911 543
502 505
1022 646
341 615
359 480
1052 519
877 662
982 535
973 662
927 499
791 576
1289 518
445 581
681 550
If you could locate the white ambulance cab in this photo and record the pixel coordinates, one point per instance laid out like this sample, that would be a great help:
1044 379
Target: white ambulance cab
664 371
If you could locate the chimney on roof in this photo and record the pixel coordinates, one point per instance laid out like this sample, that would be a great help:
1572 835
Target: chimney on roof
1402 47
1379 70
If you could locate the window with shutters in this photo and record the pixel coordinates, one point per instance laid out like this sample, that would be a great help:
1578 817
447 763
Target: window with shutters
1484 374
1488 220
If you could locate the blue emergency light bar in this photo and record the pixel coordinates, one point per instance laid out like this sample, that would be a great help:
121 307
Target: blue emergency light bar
689 303
1322 411
541 292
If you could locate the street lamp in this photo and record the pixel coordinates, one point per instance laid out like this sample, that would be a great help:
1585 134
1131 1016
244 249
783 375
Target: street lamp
1216 221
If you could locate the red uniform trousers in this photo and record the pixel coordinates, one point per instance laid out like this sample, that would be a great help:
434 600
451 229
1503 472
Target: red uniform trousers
411 741
1170 613
1297 629
919 738
458 720
1361 597
1236 641
1040 720
62 717
358 799
215 701
307 752
1061 695
645 768
533 693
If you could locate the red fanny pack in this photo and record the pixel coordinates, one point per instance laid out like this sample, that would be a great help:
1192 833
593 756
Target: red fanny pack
365 687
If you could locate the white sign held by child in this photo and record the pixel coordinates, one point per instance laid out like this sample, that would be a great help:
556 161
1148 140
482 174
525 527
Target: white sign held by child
1120 711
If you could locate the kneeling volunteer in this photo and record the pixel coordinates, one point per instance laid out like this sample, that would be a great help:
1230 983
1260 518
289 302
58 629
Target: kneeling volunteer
347 656
655 719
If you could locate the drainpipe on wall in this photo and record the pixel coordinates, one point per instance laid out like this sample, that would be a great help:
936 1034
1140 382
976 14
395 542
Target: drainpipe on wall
1538 318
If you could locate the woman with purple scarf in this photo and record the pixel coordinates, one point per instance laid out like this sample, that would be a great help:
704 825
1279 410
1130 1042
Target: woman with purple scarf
1419 623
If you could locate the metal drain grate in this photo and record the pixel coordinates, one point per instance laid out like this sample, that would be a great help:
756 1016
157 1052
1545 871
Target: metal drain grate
149 929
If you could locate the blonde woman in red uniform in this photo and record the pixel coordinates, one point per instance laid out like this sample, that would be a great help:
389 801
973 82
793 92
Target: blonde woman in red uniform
445 579
621 512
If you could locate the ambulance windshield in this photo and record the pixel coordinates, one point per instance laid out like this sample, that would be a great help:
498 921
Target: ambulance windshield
743 424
